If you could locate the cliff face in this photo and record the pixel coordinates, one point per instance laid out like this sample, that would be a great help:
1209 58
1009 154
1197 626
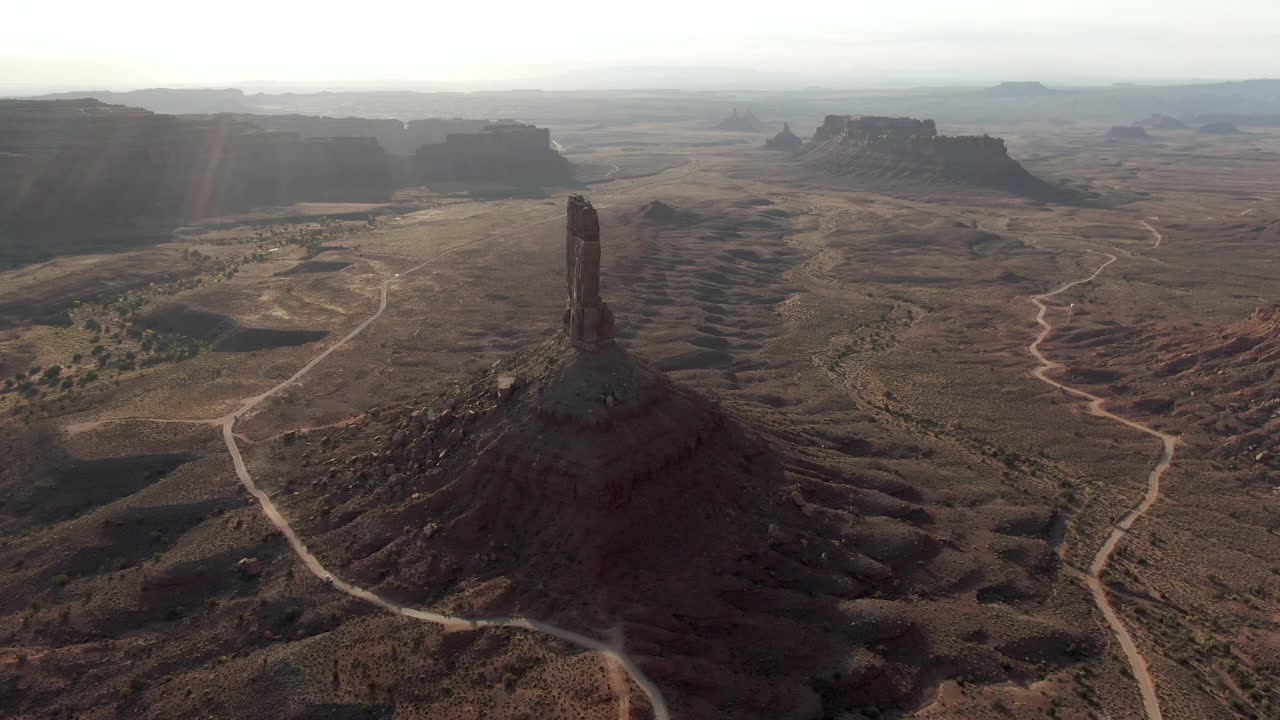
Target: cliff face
77 169
395 137
907 147
505 152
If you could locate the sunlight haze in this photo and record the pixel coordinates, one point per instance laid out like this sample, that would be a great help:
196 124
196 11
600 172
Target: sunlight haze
139 43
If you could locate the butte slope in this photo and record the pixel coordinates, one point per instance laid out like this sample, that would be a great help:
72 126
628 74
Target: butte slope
746 575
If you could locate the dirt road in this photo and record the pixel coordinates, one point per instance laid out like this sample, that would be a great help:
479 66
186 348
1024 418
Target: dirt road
1093 579
614 656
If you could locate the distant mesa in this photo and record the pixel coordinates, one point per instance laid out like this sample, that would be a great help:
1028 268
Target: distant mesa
886 147
1021 88
785 141
81 169
1157 121
506 152
745 122
1247 119
1127 133
170 101
1219 128
401 139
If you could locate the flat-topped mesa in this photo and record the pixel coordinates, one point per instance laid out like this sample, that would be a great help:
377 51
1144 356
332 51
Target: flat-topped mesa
586 316
908 148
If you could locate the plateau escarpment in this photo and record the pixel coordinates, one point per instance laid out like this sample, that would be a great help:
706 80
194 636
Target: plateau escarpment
79 170
506 152
398 138
909 148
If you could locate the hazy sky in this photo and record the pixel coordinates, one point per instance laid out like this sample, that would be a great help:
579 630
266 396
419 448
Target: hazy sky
123 44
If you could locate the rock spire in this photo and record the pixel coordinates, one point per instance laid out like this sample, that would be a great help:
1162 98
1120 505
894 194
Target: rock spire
586 316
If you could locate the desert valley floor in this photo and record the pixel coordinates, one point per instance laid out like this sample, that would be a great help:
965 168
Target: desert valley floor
919 540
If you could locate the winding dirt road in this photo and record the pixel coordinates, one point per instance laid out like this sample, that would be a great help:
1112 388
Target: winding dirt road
1156 233
1093 579
613 654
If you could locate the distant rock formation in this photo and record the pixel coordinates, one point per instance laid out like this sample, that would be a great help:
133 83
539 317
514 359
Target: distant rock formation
657 212
1254 119
503 152
746 122
907 147
1157 121
785 141
396 137
1219 128
1126 133
1029 88
78 166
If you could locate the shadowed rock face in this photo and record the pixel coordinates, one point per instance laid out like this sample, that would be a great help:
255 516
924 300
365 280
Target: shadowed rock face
907 147
1030 88
83 166
504 152
396 137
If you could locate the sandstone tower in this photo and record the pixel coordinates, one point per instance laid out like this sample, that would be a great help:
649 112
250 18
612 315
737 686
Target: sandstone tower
587 318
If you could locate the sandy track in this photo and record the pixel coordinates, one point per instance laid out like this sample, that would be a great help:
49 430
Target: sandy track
1159 238
1093 579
